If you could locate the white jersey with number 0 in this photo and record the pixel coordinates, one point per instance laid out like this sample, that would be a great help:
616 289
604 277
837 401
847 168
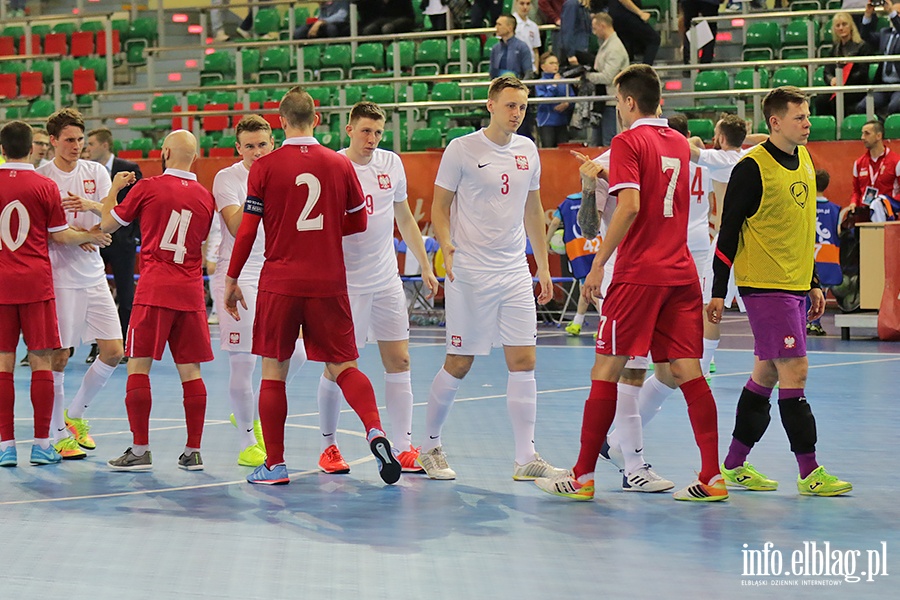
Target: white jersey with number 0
72 266
369 256
230 189
492 184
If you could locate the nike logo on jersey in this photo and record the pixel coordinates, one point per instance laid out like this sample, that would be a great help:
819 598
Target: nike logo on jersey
481 166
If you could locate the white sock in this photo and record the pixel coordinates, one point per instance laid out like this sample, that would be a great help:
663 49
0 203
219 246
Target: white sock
653 394
7 445
329 396
44 443
298 359
241 395
521 403
399 399
440 401
628 427
579 319
57 419
139 450
709 350
94 381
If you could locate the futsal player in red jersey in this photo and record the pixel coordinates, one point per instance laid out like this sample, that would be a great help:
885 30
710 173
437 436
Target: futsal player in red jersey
307 197
653 303
30 216
176 213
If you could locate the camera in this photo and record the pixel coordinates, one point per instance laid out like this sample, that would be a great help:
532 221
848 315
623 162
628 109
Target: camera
877 2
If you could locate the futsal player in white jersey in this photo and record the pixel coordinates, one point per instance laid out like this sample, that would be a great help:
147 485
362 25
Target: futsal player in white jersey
486 198
254 140
377 300
84 303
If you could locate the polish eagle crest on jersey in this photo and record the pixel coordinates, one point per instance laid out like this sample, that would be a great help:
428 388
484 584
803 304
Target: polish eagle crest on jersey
522 163
90 186
234 337
384 181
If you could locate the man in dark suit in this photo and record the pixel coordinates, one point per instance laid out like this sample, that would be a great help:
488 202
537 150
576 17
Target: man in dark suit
887 40
120 255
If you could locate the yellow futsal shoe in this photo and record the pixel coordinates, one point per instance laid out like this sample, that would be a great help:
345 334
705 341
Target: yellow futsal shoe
567 486
80 430
748 478
251 456
573 329
68 449
257 431
820 483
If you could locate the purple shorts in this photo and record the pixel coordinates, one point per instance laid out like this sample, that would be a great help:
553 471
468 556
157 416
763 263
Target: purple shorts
778 322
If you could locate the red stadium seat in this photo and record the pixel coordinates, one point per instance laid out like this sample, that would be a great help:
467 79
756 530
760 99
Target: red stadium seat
7 45
8 87
235 119
31 84
101 43
272 118
56 43
84 81
157 153
215 123
130 154
35 44
221 152
82 44
178 122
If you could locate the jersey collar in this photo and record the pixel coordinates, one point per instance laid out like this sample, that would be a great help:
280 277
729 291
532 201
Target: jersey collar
17 166
301 141
650 121
181 174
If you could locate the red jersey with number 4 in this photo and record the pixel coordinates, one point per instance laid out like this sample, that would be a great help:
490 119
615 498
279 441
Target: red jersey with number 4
176 213
302 192
30 211
653 159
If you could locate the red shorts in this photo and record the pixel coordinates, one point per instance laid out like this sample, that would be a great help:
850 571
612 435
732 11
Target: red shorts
327 327
664 320
187 334
35 320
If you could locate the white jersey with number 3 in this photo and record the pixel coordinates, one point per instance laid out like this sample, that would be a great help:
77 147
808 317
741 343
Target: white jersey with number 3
369 256
492 184
230 189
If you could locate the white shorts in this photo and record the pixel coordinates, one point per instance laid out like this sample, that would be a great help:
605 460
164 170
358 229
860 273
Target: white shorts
484 310
380 316
703 262
86 315
234 336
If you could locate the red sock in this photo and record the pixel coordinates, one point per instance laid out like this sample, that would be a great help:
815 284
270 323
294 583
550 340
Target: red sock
42 401
704 420
357 389
194 410
7 405
599 412
272 415
137 403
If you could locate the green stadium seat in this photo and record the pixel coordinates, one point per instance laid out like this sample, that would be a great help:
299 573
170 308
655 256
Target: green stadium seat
336 61
197 99
17 67
258 96
407 54
222 97
833 4
702 128
425 139
94 26
369 56
41 109
217 67
795 44
99 67
761 41
312 57
819 76
275 65
743 79
822 128
439 119
711 81
473 54
486 49
163 103
352 94
66 27
380 94
431 57
266 21
144 144
250 63
328 139
321 94
851 127
134 55
892 127
455 132
806 5
226 141
796 76
419 92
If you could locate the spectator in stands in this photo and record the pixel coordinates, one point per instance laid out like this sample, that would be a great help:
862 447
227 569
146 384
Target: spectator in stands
888 43
484 9
527 30
876 172
383 17
510 54
245 29
572 45
847 42
611 59
16 8
551 10
552 119
828 264
332 20
692 9
40 146
436 10
637 35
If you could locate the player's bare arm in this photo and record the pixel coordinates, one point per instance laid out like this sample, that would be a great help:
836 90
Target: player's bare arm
817 304
122 180
79 237
440 219
537 233
75 203
232 214
695 149
412 235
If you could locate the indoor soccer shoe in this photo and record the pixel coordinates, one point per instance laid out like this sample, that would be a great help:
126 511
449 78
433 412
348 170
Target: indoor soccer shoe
80 430
69 450
131 462
257 431
407 460
573 329
42 456
703 492
536 469
434 462
567 486
263 475
251 456
712 366
613 456
332 462
190 462
747 477
820 483
8 457
645 479
388 466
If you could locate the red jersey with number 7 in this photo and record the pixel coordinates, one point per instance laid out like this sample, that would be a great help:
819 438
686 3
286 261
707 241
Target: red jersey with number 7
653 159
176 213
303 191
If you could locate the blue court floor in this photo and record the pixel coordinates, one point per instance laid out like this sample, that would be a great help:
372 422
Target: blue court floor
77 530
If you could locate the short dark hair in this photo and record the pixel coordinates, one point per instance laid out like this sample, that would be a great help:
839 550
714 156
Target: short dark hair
39 131
777 100
297 108
822 180
679 123
511 19
505 81
734 129
103 135
251 123
15 139
543 58
63 118
641 83
877 125
366 110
